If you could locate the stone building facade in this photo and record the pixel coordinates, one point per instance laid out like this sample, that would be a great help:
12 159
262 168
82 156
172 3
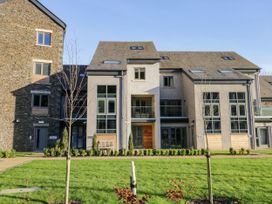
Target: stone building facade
31 53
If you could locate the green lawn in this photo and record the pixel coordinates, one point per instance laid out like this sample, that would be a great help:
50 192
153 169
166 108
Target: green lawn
93 181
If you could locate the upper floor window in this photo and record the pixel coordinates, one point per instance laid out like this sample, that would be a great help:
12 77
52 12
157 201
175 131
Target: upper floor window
171 108
40 100
212 112
238 115
168 81
139 73
44 37
106 109
42 68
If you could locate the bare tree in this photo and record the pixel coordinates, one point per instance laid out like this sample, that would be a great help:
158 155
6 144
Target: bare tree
207 149
73 84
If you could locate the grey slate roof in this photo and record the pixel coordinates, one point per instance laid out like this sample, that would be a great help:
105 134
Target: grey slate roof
266 86
51 15
205 60
120 51
210 62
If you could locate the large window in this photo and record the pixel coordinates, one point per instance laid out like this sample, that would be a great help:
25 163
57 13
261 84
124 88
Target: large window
238 115
139 73
44 38
42 68
40 100
212 120
106 109
173 137
171 108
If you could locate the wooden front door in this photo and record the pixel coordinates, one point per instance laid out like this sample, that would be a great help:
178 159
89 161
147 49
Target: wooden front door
148 137
142 136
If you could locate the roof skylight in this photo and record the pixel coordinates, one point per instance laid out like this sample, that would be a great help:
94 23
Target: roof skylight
225 71
111 62
165 58
197 71
228 58
136 47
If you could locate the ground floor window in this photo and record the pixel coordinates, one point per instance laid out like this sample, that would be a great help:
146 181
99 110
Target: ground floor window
78 136
173 137
138 134
106 124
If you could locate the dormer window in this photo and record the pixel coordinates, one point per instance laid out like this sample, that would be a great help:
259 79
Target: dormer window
44 37
136 47
228 58
111 62
165 58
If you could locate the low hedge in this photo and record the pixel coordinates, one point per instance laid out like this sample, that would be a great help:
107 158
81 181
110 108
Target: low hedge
57 152
7 153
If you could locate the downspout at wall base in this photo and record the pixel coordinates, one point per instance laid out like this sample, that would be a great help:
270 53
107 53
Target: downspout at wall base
121 117
250 117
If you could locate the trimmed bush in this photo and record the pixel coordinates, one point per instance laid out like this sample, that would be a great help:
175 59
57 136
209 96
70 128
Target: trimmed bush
75 152
248 151
82 152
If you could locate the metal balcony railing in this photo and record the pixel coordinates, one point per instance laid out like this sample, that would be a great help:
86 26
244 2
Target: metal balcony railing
142 112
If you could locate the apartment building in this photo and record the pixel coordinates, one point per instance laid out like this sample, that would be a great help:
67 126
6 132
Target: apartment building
163 99
31 54
172 99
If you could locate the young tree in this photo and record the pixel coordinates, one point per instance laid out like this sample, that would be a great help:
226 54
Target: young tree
95 144
130 143
72 83
64 139
208 153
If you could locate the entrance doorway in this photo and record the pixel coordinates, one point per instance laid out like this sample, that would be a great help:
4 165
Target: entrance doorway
142 136
40 139
262 137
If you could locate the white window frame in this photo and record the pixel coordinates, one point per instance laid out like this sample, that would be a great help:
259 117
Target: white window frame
43 31
105 106
138 69
108 100
35 61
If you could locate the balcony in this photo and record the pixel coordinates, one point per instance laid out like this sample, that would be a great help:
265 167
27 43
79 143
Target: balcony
142 109
142 112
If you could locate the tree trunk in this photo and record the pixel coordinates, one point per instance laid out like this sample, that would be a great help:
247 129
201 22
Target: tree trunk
67 180
68 165
209 168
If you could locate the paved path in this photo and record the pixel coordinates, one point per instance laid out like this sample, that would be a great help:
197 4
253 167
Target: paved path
6 164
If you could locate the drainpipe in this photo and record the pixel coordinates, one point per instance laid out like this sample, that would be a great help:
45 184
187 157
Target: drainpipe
250 117
258 97
121 118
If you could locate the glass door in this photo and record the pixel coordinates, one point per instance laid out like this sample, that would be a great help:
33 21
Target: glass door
138 133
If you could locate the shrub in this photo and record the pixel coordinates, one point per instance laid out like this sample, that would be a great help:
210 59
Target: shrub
1 154
130 143
95 144
82 152
127 197
115 153
145 152
64 139
242 151
203 151
140 152
75 152
248 151
234 152
58 151
231 150
52 152
89 152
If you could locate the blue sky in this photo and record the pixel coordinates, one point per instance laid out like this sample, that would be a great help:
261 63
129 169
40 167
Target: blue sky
244 26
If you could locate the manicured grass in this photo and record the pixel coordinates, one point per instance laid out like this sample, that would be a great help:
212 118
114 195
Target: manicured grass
263 151
93 181
23 154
